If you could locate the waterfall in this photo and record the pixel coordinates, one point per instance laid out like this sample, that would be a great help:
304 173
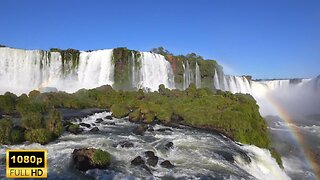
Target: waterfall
25 70
216 82
198 76
186 75
22 71
156 70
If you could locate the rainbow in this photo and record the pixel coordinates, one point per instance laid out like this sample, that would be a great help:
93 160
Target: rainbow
309 155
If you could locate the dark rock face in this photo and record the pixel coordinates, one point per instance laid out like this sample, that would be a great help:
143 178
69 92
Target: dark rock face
152 159
226 155
95 129
85 125
167 164
140 130
137 161
169 145
108 123
108 117
164 129
126 144
82 159
99 120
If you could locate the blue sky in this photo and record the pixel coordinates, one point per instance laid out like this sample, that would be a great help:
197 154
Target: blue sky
262 38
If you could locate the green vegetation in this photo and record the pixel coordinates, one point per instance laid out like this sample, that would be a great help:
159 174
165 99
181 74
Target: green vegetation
123 60
69 58
101 158
235 115
206 66
41 135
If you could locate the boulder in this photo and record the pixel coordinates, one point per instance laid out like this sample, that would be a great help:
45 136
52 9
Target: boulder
85 125
99 120
90 158
95 129
167 164
137 161
152 159
108 123
164 129
140 130
74 129
169 145
109 117
126 144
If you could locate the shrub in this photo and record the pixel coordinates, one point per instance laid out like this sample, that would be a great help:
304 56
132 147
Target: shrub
41 136
5 131
101 158
54 123
119 110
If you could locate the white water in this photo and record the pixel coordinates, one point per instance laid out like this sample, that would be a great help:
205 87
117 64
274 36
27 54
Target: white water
22 71
196 154
156 70
268 92
198 76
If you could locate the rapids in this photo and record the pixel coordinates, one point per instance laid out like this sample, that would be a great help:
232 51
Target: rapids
196 154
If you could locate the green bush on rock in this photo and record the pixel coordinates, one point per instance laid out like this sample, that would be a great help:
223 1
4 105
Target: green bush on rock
41 136
101 158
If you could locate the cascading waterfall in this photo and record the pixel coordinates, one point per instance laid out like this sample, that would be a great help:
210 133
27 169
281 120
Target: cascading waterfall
216 82
25 70
198 76
156 70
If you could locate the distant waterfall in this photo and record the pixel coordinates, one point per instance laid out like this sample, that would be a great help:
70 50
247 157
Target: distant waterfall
198 76
156 70
191 74
22 71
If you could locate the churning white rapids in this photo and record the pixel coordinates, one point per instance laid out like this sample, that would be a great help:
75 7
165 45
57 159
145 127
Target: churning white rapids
196 154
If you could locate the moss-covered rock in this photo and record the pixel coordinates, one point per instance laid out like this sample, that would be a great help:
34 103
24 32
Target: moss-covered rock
74 128
85 159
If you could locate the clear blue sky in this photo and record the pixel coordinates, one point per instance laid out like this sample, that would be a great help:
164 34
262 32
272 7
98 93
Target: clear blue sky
263 38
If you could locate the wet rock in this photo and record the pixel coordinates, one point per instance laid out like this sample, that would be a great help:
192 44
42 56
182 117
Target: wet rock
109 117
140 130
85 125
149 154
126 144
164 129
244 156
137 161
169 145
167 164
66 124
152 159
85 159
95 129
150 129
226 155
99 120
74 129
108 123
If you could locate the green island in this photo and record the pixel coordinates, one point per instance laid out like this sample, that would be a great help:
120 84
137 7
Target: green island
35 118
